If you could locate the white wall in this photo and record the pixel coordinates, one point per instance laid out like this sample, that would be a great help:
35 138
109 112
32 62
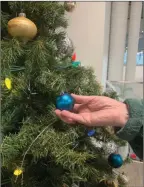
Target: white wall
138 74
118 31
89 33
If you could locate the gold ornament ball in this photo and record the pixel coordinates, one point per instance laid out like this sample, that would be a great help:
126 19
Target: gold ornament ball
123 179
108 183
22 27
69 6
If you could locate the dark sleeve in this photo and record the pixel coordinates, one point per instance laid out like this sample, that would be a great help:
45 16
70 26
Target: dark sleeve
133 130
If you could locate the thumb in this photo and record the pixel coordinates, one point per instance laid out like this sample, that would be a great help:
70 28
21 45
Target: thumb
75 117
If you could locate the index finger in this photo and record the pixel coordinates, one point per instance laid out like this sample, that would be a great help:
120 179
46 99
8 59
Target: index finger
80 99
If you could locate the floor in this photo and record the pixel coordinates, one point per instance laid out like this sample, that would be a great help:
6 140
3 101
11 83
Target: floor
135 173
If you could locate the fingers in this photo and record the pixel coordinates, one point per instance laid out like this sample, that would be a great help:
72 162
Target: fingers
76 107
69 117
75 117
65 119
79 99
103 118
58 113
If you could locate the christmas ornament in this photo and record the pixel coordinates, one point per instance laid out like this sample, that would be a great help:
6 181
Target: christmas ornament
18 171
65 102
69 6
123 179
108 183
108 148
91 132
76 63
22 27
8 83
65 46
74 57
115 160
133 156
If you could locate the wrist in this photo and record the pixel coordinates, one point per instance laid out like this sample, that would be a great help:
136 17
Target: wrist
134 124
124 114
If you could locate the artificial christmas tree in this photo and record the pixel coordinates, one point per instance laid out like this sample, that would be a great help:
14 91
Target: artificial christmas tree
38 149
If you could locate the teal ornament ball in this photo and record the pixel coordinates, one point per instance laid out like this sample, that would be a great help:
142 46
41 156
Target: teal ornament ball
115 160
65 102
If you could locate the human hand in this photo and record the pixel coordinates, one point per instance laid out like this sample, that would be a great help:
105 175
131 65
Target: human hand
95 111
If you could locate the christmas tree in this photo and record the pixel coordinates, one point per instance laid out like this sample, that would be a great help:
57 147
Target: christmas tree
38 149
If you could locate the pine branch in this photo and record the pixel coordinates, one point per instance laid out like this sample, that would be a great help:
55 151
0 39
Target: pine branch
39 72
4 20
11 51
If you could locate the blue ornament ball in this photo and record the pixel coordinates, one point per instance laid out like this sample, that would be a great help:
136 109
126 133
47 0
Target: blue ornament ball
65 102
91 132
115 160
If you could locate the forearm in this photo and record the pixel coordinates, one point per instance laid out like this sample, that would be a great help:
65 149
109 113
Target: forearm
133 129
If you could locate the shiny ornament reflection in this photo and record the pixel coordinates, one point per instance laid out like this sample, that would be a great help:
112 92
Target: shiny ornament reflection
65 102
115 160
